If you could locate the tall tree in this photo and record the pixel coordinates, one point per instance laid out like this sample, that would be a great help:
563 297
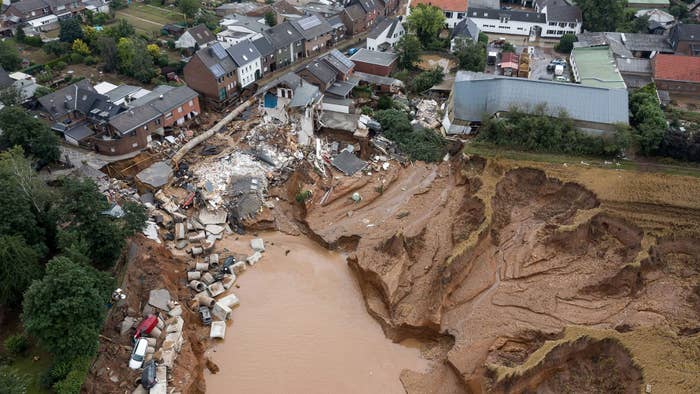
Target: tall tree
19 266
24 200
602 15
82 220
70 30
408 48
472 56
188 7
108 53
566 43
34 136
9 56
426 21
270 18
66 308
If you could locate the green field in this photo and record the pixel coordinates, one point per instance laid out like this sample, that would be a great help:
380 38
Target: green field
147 18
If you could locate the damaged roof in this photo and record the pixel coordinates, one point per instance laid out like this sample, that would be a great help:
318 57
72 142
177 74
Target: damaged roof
348 163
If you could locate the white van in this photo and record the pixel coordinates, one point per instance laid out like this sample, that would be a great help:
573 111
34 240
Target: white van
138 354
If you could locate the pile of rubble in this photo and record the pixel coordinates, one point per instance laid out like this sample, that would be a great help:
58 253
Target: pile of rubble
210 279
427 114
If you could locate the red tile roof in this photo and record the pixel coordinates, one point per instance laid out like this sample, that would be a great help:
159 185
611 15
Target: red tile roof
677 68
445 5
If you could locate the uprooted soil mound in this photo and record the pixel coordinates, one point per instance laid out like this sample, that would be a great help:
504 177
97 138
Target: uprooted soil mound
582 366
501 260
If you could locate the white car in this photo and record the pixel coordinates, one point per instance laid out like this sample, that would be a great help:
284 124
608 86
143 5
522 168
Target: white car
138 354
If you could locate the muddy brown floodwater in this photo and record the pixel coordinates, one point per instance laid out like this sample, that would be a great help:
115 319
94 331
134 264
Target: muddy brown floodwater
302 327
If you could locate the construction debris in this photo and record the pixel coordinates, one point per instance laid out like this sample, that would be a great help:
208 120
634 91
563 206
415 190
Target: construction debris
218 330
155 176
160 299
348 163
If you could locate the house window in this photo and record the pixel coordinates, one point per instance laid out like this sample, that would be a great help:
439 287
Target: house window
562 24
179 110
168 115
158 121
145 127
460 15
191 103
552 23
550 31
505 19
448 14
572 25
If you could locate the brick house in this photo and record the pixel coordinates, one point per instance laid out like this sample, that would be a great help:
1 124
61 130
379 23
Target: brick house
374 62
267 56
685 39
318 73
677 73
355 19
317 33
287 44
212 73
339 28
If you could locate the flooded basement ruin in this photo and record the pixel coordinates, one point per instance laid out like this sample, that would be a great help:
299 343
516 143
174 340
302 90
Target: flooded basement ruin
302 327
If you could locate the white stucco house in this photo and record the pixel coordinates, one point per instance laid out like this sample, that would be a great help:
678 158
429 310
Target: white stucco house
550 19
247 59
385 34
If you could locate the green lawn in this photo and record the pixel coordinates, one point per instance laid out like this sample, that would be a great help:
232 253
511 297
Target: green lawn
25 365
147 18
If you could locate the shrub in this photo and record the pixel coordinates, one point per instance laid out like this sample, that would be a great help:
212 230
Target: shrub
302 196
385 102
75 58
60 65
90 60
365 110
419 144
426 80
34 41
17 344
73 381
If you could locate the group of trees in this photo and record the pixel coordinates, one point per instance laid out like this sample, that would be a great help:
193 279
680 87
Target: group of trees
56 246
472 54
418 143
648 119
538 130
424 25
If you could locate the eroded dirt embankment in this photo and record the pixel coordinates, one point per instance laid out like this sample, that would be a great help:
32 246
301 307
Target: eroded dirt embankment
501 260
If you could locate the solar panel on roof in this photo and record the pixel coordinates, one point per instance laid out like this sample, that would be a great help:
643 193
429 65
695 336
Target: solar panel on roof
217 70
308 23
341 58
219 51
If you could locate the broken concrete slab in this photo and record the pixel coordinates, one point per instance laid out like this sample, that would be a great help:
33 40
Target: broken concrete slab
207 217
175 311
230 301
161 386
174 325
348 163
238 267
218 330
214 229
207 278
257 244
216 289
180 231
228 281
151 231
159 298
254 258
156 176
221 312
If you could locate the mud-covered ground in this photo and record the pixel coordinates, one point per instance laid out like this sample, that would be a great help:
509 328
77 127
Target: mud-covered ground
499 260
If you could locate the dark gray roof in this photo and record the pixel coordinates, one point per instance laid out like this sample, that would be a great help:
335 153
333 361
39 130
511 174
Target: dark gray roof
243 53
201 34
688 32
355 12
321 70
466 28
514 15
476 94
367 5
336 22
634 65
122 91
384 24
289 79
5 79
339 61
79 132
165 98
365 55
492 4
563 13
377 79
312 26
216 59
27 6
263 46
282 35
624 44
342 88
348 163
79 96
325 9
133 118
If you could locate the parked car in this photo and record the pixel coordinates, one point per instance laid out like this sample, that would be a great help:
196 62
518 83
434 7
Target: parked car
138 353
148 376
205 315
145 327
230 260
352 51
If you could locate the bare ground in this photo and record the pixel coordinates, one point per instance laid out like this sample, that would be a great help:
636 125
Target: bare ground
503 259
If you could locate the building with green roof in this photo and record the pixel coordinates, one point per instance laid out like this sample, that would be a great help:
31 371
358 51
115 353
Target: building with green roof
596 67
648 4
